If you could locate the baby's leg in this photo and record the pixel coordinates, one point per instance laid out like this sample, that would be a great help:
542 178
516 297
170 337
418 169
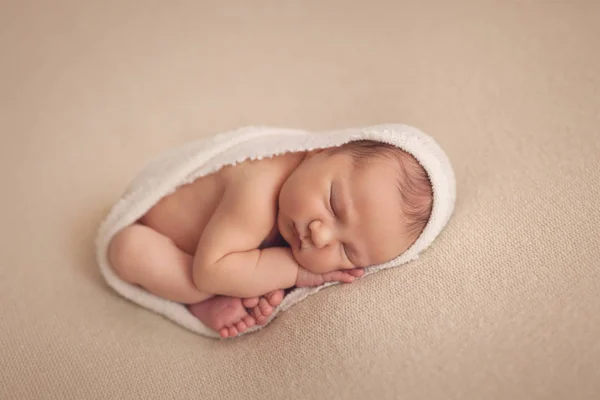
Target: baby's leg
142 256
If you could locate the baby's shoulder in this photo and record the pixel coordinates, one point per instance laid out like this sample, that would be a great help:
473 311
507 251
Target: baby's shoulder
257 174
251 190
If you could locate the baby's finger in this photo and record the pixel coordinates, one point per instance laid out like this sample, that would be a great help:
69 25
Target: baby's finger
337 276
357 272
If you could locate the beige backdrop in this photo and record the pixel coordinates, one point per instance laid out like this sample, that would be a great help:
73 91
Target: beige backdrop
505 305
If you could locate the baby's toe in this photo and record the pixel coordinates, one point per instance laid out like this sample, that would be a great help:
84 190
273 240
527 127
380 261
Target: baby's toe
249 321
265 307
250 302
275 298
233 332
224 333
258 315
241 327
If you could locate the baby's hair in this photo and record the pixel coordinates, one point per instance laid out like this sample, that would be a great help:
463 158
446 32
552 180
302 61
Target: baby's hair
413 184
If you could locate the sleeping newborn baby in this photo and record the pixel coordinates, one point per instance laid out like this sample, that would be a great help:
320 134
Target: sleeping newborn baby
228 243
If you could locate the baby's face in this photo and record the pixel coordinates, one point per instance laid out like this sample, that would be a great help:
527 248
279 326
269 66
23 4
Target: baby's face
335 216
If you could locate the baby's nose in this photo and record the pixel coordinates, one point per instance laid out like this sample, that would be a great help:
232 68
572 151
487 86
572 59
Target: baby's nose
320 234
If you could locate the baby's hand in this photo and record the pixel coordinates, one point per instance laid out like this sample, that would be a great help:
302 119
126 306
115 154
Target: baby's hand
306 278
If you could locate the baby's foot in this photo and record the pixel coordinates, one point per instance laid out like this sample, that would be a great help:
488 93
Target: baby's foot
262 308
226 315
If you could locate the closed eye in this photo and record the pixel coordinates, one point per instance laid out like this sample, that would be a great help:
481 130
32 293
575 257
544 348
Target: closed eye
331 200
346 252
351 254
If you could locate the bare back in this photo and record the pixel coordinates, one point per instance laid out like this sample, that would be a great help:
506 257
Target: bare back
183 215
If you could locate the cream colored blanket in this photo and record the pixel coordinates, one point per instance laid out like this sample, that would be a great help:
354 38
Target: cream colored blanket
189 162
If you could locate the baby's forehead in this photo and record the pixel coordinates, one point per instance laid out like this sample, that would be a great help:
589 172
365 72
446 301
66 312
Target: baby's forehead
376 178
398 167
400 161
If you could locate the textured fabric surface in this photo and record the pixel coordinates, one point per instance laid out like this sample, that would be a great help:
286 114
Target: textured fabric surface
504 305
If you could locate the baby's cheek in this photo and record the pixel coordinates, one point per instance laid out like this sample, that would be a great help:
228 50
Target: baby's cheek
317 261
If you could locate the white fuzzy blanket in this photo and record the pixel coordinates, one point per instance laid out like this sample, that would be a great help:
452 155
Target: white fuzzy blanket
189 162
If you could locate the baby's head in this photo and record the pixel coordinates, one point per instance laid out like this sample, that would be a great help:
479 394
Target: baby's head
360 204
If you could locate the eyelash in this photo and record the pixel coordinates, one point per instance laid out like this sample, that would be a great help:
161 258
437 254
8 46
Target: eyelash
335 214
331 200
346 252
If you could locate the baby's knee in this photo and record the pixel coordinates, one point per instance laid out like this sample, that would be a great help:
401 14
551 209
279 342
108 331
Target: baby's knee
123 251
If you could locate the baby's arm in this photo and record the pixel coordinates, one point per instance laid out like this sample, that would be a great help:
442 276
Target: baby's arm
247 273
228 260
